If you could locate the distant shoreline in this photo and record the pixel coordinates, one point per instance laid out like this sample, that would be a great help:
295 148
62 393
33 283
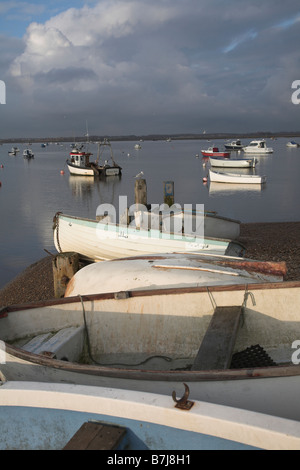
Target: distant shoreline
153 137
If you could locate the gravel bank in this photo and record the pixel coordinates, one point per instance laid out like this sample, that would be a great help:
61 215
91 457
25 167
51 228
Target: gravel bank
263 241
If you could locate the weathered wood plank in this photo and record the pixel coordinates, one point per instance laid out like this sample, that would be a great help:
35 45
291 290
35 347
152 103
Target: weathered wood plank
64 266
216 349
96 436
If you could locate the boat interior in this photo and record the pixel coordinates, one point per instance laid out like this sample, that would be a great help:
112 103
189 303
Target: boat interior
156 331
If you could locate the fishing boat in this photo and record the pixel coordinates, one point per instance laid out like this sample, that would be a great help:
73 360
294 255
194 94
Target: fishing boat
232 163
234 145
171 270
214 152
258 146
218 177
234 345
80 164
102 240
44 416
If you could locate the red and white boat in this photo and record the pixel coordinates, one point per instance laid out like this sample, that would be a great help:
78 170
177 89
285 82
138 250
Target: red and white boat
214 152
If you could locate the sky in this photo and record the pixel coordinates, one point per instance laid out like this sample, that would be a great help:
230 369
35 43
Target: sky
123 67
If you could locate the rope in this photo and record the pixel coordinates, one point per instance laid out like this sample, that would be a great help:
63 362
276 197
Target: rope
114 364
211 297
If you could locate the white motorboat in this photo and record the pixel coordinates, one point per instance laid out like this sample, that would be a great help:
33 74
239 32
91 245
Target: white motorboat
234 145
258 146
218 177
232 162
292 144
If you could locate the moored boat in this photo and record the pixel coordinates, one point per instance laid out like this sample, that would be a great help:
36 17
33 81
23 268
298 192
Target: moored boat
232 162
220 177
79 163
214 152
232 345
28 153
13 151
234 145
258 146
104 240
292 144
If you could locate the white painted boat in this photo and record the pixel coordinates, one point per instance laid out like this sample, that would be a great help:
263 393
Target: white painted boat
218 177
137 146
233 163
155 340
43 416
99 240
171 270
182 220
258 146
79 163
292 144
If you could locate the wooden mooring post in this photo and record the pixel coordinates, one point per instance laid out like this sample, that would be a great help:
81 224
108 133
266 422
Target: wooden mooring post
64 266
169 193
140 192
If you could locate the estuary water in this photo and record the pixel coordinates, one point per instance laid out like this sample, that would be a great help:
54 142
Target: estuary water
32 191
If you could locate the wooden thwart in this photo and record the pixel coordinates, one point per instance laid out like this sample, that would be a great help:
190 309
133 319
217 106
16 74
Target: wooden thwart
216 349
96 436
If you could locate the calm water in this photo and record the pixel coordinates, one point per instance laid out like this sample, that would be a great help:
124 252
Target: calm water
33 191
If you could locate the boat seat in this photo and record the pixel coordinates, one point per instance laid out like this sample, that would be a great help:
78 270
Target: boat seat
216 348
97 436
66 344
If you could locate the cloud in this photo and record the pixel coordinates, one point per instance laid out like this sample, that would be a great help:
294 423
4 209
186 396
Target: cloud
159 66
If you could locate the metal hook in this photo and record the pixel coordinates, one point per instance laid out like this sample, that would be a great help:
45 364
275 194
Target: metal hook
183 403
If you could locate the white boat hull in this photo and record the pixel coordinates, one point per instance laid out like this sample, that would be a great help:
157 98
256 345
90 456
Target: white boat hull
97 241
171 270
218 177
80 171
232 163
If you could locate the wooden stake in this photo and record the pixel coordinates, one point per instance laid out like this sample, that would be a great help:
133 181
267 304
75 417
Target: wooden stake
64 266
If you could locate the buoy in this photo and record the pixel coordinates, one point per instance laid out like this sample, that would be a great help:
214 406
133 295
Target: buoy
0 184
62 172
2 166
205 180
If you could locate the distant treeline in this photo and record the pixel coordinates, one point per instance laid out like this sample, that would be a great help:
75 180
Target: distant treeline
96 138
